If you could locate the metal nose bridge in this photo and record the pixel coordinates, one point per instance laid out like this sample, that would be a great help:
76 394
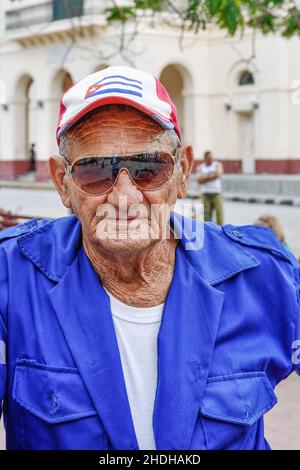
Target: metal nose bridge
129 175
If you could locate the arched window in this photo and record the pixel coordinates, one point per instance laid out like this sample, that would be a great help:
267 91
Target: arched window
246 78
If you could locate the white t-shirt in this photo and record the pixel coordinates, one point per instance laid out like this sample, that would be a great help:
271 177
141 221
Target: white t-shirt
213 186
136 330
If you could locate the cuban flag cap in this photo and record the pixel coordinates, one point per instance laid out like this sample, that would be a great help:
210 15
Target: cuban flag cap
117 85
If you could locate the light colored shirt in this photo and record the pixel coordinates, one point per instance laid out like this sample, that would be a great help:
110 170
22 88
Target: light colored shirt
213 186
136 331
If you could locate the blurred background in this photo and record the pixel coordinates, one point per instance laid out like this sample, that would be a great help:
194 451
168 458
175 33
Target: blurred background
233 71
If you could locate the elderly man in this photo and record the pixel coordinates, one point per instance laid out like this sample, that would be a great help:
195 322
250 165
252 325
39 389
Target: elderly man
117 333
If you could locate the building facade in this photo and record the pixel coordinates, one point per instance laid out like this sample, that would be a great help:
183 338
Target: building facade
238 97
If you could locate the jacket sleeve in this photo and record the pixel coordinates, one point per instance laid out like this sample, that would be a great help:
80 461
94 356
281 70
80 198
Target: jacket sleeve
3 330
9 233
283 330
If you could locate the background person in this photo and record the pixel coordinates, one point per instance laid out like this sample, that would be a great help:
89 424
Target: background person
32 157
209 176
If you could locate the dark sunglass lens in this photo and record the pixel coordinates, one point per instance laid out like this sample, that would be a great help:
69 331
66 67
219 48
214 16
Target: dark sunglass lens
151 171
94 175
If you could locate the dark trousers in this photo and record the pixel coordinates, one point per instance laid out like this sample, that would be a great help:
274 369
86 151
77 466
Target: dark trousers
213 202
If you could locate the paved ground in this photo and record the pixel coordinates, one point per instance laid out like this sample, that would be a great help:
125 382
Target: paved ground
40 203
283 421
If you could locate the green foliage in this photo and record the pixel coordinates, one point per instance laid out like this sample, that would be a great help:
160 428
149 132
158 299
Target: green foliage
267 16
121 14
124 13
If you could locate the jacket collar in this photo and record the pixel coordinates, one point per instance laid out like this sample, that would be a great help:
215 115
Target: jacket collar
53 247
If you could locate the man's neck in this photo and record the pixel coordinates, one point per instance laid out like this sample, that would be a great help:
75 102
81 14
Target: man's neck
142 282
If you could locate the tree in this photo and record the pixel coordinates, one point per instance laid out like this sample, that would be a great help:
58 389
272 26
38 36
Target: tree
266 16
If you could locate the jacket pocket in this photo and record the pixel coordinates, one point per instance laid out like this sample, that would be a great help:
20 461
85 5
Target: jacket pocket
232 406
54 394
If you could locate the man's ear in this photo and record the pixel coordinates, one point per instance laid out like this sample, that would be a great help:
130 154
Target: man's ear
56 168
187 162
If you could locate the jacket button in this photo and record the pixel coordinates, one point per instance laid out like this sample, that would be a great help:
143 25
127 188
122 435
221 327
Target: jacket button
237 234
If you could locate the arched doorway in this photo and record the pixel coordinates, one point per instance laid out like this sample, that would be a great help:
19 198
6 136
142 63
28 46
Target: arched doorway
67 81
25 120
61 82
100 67
172 80
177 80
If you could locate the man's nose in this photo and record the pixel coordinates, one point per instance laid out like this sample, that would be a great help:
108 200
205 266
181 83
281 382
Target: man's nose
124 187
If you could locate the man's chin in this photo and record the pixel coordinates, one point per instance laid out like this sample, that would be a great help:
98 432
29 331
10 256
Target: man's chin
124 244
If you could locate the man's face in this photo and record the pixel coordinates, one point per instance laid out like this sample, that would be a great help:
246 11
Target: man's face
208 159
118 131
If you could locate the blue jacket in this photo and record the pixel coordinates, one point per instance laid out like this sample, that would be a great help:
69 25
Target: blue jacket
227 338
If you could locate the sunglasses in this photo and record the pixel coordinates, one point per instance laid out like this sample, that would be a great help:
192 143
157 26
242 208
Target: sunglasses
149 171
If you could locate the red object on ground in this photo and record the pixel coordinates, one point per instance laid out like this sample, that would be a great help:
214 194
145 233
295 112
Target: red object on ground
7 219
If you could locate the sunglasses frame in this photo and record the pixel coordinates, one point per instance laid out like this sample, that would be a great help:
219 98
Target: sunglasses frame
70 166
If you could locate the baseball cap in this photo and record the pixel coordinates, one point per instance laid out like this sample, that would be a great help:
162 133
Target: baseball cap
117 85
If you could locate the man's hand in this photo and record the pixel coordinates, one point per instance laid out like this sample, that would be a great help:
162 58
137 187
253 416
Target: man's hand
202 179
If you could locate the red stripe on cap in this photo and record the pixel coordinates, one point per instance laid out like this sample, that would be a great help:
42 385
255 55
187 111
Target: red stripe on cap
62 110
164 96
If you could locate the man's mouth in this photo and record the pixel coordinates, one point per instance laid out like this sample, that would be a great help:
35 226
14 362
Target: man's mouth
125 219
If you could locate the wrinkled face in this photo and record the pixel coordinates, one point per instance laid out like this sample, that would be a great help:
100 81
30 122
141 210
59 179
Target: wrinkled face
120 130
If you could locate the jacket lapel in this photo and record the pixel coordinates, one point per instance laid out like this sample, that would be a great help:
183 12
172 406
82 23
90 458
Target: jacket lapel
185 345
83 311
189 327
